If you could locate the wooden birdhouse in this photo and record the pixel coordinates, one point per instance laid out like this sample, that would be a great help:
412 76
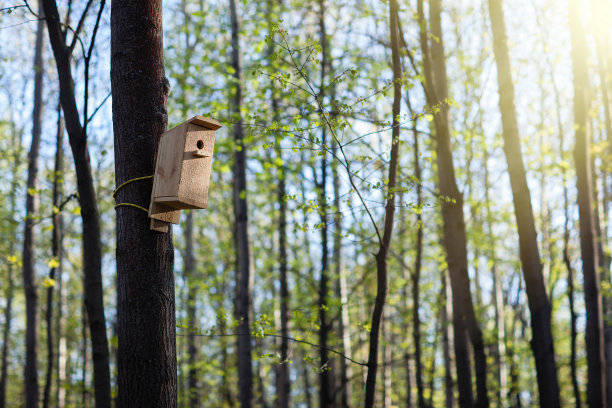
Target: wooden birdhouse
182 170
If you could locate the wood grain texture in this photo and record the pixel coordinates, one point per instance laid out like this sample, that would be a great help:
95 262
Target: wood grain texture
182 171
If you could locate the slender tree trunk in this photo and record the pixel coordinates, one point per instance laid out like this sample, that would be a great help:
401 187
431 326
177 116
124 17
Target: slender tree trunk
92 247
565 251
10 285
307 392
342 290
572 307
243 258
455 242
498 301
56 256
539 304
447 340
418 260
146 357
192 339
29 235
283 380
84 367
325 376
596 385
387 364
385 240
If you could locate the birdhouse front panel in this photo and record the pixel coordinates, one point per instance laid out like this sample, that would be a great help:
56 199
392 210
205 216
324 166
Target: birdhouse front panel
197 165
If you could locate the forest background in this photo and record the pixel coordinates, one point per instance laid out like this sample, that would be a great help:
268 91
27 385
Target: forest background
339 113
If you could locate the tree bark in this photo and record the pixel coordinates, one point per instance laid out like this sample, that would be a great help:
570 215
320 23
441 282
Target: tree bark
596 385
455 242
92 247
418 260
146 324
325 377
192 340
539 304
241 234
498 301
447 339
346 373
9 291
55 254
385 240
29 235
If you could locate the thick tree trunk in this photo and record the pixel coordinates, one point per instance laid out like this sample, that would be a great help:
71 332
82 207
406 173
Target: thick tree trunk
92 247
385 240
241 233
146 355
455 243
596 385
539 305
29 235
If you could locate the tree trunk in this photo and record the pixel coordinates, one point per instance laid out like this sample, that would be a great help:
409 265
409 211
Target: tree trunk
9 291
241 233
192 339
29 235
385 240
56 254
418 260
346 373
596 385
447 339
325 375
498 301
283 379
539 305
92 247
455 243
146 357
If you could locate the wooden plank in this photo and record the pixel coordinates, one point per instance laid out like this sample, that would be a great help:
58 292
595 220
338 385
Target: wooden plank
159 226
208 123
197 166
168 163
166 178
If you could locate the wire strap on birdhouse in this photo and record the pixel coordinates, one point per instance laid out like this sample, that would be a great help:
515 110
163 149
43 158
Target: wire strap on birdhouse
123 185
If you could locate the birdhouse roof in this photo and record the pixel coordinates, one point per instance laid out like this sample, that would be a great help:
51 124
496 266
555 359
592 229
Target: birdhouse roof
208 123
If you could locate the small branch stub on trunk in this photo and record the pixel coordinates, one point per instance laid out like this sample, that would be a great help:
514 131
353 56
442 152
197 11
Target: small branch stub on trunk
182 171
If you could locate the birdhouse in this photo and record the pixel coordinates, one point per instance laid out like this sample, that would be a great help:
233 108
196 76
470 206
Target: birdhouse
182 170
